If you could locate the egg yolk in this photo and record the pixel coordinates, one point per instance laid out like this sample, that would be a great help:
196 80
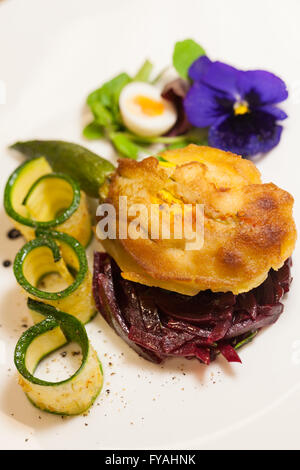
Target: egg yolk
148 106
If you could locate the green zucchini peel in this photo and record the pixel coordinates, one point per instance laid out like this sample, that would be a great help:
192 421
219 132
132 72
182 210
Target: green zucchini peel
29 222
57 253
70 396
48 239
35 197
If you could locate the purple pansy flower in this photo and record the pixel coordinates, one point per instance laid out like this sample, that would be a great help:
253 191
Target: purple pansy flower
238 107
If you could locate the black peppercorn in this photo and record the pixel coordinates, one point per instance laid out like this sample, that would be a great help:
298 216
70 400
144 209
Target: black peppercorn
13 234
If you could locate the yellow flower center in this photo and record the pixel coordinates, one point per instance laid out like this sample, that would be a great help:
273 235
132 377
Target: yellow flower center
241 107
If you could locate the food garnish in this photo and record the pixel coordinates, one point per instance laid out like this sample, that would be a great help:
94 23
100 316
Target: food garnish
58 320
184 55
13 234
212 102
175 92
54 254
52 267
71 396
84 166
35 197
239 107
160 324
144 111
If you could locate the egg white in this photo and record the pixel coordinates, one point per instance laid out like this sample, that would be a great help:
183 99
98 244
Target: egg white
137 121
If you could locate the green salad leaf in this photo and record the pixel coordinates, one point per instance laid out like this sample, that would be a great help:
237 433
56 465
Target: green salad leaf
185 53
126 147
246 340
102 115
143 75
104 102
93 131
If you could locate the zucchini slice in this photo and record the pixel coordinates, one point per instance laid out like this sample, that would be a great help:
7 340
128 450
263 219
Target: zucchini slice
35 197
57 254
68 397
84 166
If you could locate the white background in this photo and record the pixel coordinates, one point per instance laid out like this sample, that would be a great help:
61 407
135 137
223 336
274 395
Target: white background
52 53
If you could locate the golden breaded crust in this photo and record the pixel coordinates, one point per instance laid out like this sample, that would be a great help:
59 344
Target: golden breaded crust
248 226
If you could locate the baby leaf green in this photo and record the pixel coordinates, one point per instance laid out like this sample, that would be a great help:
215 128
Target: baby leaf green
185 53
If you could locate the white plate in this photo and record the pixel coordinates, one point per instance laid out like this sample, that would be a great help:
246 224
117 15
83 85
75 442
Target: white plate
52 53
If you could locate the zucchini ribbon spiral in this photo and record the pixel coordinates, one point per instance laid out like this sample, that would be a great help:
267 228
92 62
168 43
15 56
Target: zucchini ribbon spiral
35 197
67 397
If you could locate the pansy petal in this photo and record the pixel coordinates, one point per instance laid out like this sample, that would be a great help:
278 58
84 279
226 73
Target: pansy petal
266 87
199 68
216 75
278 113
203 106
247 134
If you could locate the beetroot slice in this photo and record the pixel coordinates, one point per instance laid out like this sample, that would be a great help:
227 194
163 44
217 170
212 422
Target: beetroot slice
171 341
149 311
229 352
200 333
99 261
245 326
109 308
158 324
129 304
145 339
202 308
190 350
222 326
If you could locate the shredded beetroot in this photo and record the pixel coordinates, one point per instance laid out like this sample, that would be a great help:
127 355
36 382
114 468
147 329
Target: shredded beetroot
158 324
228 352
